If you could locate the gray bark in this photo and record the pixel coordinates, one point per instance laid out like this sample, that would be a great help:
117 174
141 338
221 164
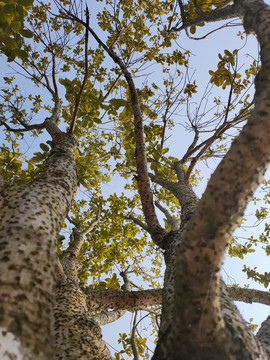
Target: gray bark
201 321
31 217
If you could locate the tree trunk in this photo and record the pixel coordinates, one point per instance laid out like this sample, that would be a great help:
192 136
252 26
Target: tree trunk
204 323
77 335
31 217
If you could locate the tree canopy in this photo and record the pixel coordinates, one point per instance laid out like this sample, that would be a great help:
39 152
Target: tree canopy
108 91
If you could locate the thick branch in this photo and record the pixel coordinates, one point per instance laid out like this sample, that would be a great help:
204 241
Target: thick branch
181 190
118 299
107 317
169 185
249 295
136 300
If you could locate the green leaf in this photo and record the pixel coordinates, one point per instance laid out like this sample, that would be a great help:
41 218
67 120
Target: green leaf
44 147
193 29
26 33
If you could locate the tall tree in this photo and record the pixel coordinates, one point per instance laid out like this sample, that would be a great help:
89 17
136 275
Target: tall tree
60 253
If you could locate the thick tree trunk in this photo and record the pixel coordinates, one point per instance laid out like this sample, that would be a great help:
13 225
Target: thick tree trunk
205 324
77 335
31 216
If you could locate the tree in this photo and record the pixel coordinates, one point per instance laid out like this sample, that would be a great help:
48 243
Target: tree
59 253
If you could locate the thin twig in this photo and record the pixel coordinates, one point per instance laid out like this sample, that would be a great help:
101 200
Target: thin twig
132 339
79 96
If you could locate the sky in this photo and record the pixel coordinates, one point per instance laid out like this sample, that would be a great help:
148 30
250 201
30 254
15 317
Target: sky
204 58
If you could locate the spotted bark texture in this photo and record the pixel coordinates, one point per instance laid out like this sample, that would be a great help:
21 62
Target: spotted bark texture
31 217
77 335
77 325
205 323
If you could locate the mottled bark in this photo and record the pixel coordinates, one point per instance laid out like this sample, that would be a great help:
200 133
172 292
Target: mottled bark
107 317
77 333
118 299
77 326
249 295
31 217
264 335
205 326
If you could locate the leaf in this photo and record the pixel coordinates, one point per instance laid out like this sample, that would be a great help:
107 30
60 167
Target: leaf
193 29
44 147
26 33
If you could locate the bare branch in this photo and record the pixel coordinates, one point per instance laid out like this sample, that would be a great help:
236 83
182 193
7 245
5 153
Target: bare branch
135 300
138 222
175 223
203 146
182 191
180 171
249 295
192 145
217 15
229 24
111 88
78 233
126 285
119 299
107 317
169 185
26 128
79 96
132 340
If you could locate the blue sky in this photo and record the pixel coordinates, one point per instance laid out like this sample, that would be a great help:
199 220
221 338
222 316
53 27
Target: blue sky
204 58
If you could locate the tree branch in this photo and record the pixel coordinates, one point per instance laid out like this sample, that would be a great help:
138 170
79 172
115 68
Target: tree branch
174 223
138 222
26 128
155 229
249 295
132 339
181 190
169 185
227 12
126 285
79 95
118 299
107 317
203 146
